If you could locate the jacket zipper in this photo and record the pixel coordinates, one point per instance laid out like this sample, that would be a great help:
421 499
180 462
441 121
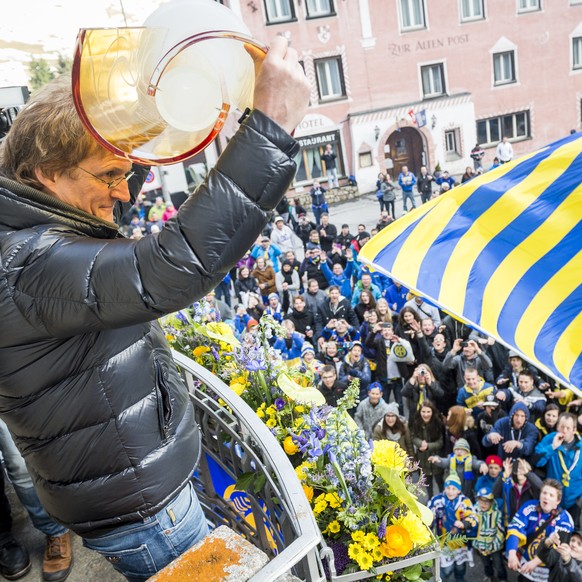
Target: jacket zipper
164 405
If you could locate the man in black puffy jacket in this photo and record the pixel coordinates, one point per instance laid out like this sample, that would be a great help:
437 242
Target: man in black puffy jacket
88 387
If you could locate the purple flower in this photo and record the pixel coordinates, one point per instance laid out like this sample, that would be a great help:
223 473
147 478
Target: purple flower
181 317
382 528
340 556
279 403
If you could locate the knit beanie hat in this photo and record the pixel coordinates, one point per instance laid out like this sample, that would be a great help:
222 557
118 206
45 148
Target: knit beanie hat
462 444
307 347
393 408
494 460
453 479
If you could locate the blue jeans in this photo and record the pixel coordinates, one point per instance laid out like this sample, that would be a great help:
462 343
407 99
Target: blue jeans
139 550
22 483
394 385
408 196
332 181
318 211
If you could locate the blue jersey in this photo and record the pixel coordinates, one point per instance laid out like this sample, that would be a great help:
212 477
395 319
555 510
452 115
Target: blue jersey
527 520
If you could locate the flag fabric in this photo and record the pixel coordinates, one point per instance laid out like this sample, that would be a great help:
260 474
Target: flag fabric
420 118
503 252
412 115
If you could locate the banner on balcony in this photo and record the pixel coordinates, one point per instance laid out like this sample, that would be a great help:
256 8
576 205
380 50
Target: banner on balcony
503 253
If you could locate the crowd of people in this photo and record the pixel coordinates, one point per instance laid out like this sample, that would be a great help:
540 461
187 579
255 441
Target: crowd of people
498 442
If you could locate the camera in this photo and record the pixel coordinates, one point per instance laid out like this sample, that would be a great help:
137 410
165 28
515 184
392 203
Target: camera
385 324
12 100
564 536
422 373
464 344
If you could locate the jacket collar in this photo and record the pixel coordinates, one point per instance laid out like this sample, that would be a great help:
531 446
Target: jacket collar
24 207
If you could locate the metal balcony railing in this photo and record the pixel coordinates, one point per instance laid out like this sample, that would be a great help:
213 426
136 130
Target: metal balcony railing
276 516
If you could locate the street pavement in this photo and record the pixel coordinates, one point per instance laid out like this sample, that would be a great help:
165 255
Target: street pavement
90 566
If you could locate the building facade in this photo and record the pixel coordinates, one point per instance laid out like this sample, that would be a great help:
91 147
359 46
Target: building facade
413 82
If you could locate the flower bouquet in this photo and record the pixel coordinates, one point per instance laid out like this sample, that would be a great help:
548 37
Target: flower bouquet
362 493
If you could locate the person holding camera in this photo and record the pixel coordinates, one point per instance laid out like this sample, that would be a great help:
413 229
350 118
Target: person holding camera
421 386
465 354
562 554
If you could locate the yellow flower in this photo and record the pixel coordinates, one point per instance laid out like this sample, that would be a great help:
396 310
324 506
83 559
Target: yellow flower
389 454
170 337
271 423
200 350
333 499
319 507
377 554
299 409
419 533
302 469
334 527
238 388
271 411
260 413
238 380
355 551
290 447
398 542
370 541
358 536
308 491
365 561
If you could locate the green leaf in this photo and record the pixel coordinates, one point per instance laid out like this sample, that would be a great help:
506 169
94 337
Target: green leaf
259 482
413 572
245 481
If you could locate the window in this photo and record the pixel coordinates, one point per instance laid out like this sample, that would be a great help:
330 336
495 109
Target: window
577 53
503 68
515 126
330 79
308 160
452 143
528 5
317 8
412 14
279 11
472 10
433 80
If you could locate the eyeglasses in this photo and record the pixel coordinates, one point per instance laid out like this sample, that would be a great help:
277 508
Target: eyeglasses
114 183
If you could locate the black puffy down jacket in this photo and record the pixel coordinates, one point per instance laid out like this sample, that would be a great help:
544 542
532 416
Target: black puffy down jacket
87 384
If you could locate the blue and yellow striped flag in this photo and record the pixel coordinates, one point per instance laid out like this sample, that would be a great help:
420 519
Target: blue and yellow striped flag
503 253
